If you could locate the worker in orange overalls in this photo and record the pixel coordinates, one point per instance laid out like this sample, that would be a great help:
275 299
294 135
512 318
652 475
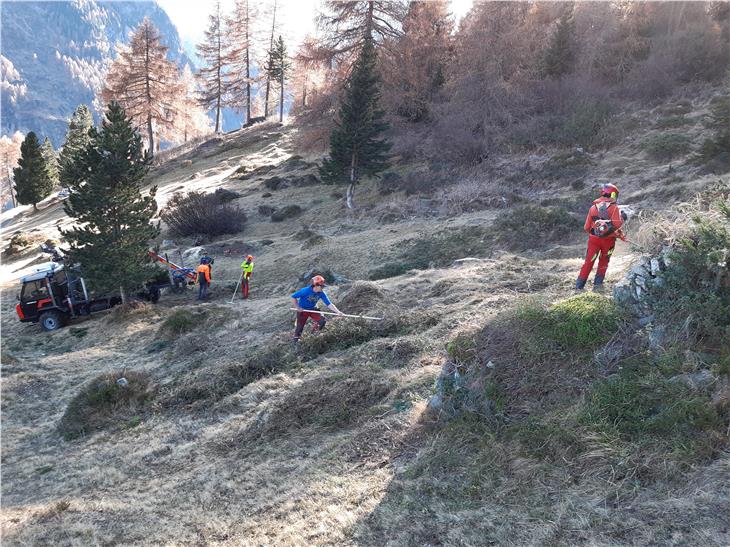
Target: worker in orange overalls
603 225
203 278
246 273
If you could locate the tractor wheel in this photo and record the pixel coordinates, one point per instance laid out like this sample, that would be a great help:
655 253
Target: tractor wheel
51 320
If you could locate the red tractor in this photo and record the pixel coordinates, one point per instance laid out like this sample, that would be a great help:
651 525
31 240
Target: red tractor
52 295
55 293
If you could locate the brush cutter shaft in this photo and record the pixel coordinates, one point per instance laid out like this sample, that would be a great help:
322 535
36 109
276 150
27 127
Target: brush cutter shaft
341 314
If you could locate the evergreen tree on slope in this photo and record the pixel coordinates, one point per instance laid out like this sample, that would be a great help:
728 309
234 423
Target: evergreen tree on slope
49 154
77 139
356 148
113 230
32 178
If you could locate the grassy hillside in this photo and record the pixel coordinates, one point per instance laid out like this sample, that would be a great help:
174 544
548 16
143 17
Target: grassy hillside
561 419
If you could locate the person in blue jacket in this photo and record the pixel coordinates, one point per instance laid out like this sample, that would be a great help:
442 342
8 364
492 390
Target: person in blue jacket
305 301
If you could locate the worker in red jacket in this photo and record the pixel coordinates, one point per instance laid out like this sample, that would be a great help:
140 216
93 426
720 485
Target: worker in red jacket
603 225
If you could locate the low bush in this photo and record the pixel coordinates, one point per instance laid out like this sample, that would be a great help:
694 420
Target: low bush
179 322
664 419
529 226
104 403
201 389
197 213
226 195
667 146
578 324
329 402
672 122
715 152
288 211
266 210
692 296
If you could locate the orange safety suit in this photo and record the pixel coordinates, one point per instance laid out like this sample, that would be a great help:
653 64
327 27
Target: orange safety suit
603 224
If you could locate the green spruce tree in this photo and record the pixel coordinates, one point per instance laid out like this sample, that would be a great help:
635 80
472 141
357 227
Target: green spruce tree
77 139
560 55
277 69
356 146
114 228
49 154
32 178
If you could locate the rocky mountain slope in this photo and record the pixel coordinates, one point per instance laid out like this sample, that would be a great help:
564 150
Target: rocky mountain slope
228 436
54 54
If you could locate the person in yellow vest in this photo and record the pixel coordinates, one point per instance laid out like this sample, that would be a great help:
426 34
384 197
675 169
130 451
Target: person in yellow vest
247 271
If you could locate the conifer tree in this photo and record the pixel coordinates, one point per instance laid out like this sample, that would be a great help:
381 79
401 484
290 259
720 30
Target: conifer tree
77 139
113 230
213 75
239 31
560 56
277 69
269 61
32 178
347 24
49 154
415 71
144 82
356 148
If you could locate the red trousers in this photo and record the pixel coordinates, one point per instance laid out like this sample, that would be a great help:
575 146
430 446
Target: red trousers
602 246
245 286
303 317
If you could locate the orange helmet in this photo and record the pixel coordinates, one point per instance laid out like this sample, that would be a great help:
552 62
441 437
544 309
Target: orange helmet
609 191
318 280
249 258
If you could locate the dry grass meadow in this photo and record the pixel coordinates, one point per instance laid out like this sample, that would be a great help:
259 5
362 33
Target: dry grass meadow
234 438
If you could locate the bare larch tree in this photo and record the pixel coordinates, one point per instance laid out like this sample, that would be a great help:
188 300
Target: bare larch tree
144 82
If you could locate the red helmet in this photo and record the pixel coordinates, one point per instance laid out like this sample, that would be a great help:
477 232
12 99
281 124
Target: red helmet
609 191
249 258
318 281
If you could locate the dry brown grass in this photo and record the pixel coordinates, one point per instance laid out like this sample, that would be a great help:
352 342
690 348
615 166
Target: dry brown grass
334 449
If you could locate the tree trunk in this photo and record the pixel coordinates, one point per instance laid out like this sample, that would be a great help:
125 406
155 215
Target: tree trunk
281 96
218 82
351 186
149 96
123 295
35 207
248 73
150 135
268 76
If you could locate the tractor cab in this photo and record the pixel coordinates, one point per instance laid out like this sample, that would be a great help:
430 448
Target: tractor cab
52 294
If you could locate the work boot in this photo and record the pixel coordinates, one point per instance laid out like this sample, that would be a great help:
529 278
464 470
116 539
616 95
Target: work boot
580 284
598 283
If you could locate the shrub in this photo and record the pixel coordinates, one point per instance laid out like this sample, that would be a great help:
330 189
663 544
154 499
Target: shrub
198 213
206 388
103 403
288 211
266 210
226 195
667 146
693 294
673 122
179 322
329 402
530 225
391 269
584 125
578 324
635 406
715 151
